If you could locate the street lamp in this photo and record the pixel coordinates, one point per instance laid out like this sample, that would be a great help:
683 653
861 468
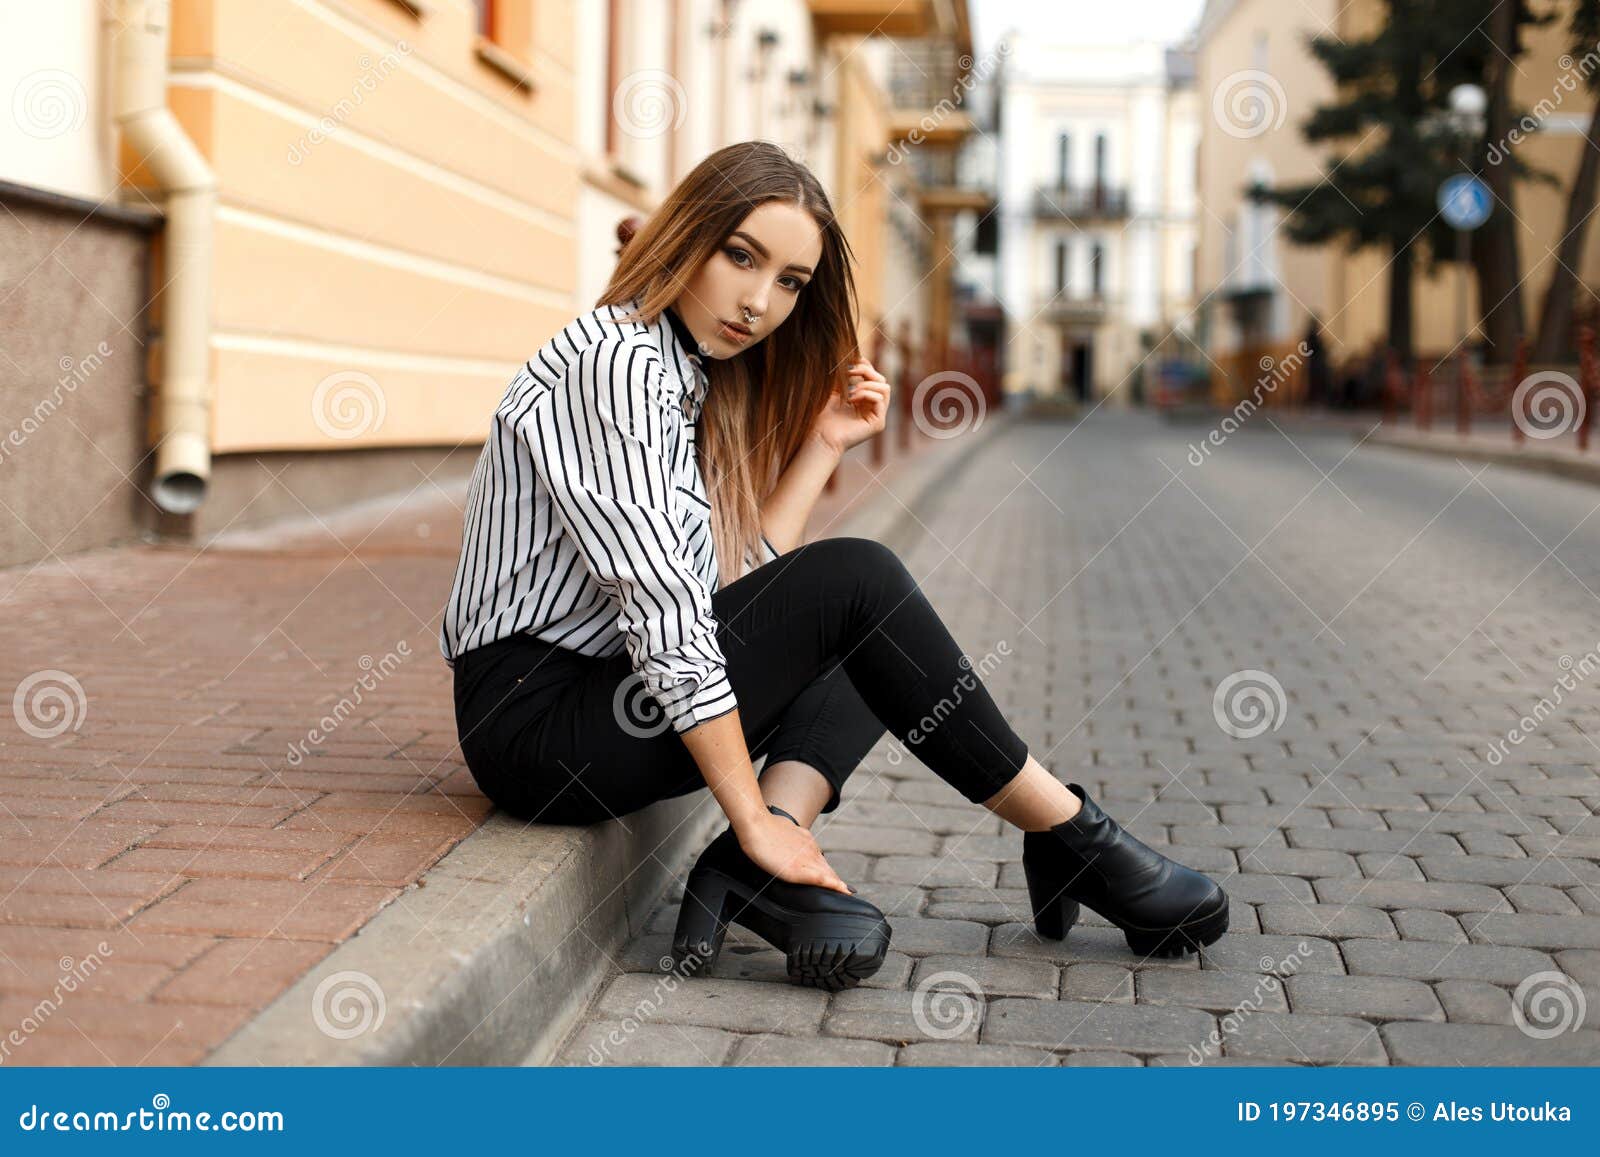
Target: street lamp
1465 207
1468 102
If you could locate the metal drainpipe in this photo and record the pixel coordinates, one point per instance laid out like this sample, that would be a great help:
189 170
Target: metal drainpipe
183 435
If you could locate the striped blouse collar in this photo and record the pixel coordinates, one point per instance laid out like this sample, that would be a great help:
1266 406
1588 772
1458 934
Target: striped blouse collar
678 343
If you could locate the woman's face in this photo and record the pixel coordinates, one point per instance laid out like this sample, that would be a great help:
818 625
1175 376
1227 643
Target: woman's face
763 265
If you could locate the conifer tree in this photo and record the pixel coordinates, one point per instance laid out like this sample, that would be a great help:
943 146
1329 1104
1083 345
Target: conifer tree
1393 141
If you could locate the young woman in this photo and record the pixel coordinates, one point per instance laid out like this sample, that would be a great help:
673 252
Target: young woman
634 616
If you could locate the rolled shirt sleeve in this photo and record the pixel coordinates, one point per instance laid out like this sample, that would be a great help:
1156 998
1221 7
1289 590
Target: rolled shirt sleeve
602 444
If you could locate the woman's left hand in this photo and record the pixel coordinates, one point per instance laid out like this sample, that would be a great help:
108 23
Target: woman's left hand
857 412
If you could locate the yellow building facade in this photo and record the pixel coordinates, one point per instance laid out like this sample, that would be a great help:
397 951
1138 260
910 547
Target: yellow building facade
378 209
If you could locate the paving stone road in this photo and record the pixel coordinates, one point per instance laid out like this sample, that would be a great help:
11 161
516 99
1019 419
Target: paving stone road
1352 684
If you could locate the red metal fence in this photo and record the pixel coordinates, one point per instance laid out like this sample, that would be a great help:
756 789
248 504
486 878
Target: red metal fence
1439 387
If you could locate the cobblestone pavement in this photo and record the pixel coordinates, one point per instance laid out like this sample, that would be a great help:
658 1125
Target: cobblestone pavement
1293 662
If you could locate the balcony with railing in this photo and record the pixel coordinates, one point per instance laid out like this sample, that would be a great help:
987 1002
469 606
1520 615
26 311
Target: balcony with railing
928 89
945 183
1077 308
1097 202
880 17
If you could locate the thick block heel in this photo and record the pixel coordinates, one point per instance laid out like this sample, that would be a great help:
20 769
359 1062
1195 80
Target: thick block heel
1055 919
1054 912
830 940
702 923
1162 907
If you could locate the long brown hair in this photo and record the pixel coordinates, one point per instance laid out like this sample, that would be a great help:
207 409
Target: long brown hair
760 403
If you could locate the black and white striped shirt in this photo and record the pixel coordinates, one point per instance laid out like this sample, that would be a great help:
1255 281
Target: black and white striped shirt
587 522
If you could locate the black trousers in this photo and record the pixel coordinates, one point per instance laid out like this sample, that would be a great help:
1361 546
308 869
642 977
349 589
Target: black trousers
827 647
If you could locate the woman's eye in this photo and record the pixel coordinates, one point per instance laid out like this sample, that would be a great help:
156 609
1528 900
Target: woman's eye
739 257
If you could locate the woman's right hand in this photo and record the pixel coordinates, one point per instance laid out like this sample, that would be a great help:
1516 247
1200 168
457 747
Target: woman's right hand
788 851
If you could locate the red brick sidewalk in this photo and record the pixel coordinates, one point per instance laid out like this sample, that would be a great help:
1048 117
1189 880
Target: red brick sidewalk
219 765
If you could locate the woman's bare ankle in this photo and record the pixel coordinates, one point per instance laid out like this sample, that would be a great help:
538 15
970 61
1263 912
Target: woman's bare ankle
796 787
1034 800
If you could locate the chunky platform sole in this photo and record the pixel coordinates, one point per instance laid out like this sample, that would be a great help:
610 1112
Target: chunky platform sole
827 950
1053 918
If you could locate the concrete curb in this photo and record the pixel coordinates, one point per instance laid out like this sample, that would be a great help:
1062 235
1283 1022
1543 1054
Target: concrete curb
1532 457
492 957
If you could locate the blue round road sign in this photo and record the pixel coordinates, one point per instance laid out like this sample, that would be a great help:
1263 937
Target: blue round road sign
1464 201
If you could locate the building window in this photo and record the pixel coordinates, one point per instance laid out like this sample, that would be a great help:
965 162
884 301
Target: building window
1061 267
986 237
1099 162
1063 160
485 14
613 76
1097 269
503 36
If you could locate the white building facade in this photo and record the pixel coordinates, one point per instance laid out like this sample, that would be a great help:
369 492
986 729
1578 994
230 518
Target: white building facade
1098 211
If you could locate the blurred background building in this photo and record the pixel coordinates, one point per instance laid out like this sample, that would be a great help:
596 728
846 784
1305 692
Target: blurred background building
269 257
1260 285
1098 206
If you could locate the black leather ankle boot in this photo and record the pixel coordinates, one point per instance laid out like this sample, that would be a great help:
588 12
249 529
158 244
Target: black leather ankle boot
830 940
1162 907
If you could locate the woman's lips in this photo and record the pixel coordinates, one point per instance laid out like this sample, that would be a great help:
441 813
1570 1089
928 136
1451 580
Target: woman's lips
735 332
